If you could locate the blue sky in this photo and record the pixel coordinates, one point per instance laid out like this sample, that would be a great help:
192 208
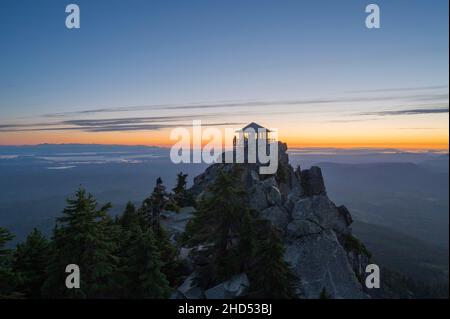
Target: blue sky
149 53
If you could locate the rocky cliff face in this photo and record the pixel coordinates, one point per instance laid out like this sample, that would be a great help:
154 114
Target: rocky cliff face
317 235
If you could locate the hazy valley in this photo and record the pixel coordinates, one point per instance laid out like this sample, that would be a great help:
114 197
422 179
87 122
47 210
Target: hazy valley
399 200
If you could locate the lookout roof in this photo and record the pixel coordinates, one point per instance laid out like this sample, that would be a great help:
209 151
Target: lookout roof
254 126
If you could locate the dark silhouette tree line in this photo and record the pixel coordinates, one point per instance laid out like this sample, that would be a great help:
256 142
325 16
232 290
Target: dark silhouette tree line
131 255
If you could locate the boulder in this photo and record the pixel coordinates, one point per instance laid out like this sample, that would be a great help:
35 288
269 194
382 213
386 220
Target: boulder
262 194
187 210
273 195
300 228
216 292
269 182
254 175
295 176
285 189
321 262
184 253
188 290
271 190
277 215
313 181
202 181
257 197
294 196
233 288
320 210
358 263
175 223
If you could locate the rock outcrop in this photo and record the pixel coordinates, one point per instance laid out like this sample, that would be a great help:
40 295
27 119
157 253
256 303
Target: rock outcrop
317 235
233 288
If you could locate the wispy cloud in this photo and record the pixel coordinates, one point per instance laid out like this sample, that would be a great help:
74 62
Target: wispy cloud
258 103
226 105
151 123
403 89
114 124
413 101
350 120
115 128
408 112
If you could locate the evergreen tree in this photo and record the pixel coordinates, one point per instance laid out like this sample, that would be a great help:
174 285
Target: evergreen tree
141 266
218 224
84 236
180 188
324 294
181 196
238 241
247 239
8 280
270 275
153 205
5 236
133 222
170 265
30 263
129 217
150 213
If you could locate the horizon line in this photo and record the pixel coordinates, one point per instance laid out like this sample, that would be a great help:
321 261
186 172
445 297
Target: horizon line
294 146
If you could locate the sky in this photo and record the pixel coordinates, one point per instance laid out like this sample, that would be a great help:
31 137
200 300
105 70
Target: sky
311 69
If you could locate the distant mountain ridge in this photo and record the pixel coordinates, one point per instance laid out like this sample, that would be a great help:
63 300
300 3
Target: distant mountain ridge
409 198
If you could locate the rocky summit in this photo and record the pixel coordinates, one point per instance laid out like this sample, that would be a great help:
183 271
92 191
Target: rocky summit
317 234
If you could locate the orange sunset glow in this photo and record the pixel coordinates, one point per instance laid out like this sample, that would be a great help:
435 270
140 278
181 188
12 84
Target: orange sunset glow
336 136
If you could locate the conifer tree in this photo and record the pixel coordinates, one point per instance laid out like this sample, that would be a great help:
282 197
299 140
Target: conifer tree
5 237
324 294
8 280
247 239
149 215
170 265
84 236
129 217
238 241
218 224
141 266
181 196
270 276
153 205
134 232
30 263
